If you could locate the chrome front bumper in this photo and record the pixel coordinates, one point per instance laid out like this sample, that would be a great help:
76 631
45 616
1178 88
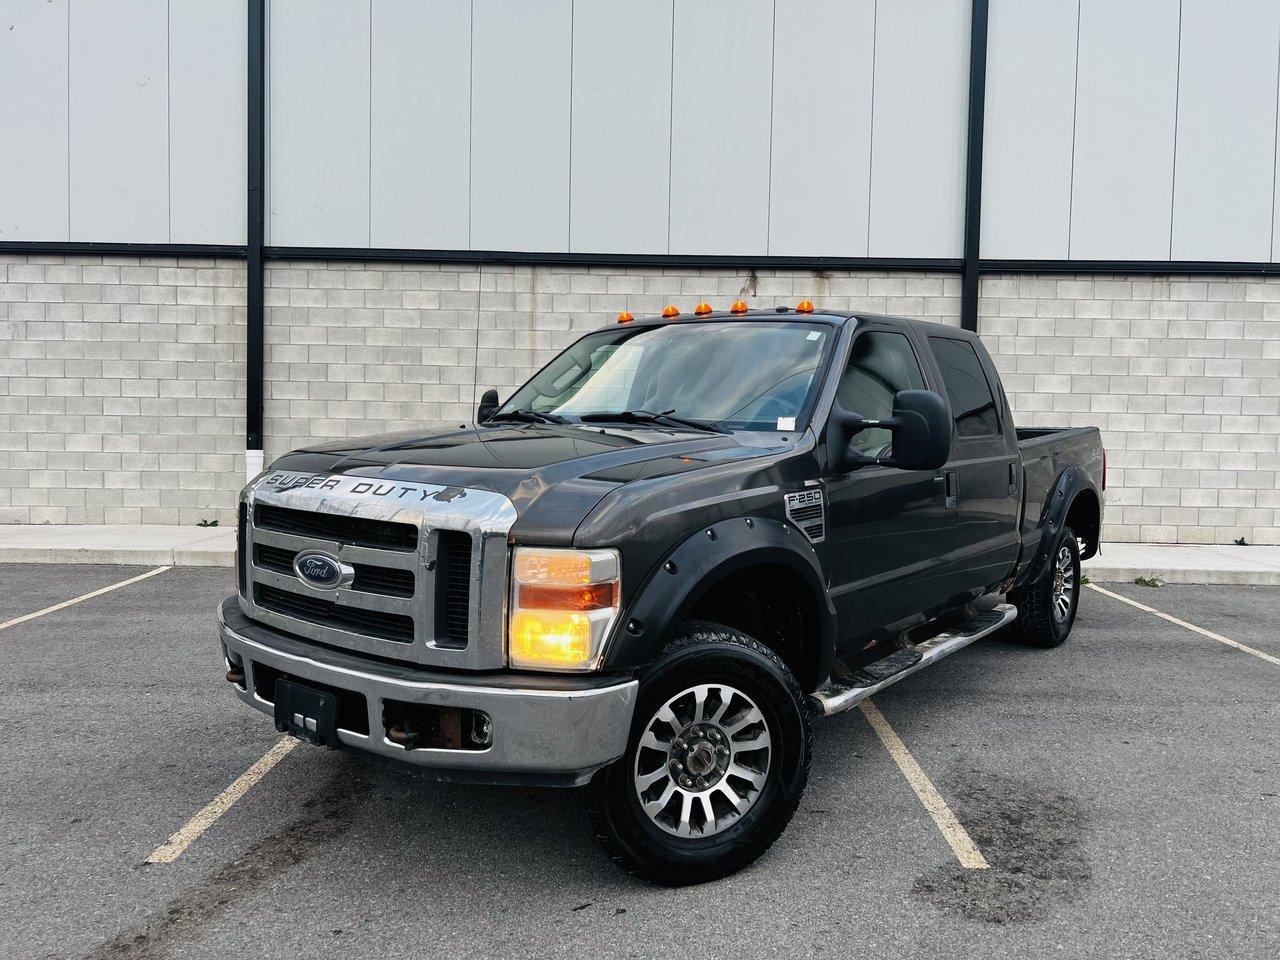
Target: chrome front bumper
546 730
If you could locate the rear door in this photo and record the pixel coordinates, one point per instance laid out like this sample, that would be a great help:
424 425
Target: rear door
889 530
985 467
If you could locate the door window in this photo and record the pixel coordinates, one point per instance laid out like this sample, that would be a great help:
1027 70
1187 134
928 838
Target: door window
880 364
972 405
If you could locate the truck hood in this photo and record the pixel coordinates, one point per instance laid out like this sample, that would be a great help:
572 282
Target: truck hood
553 474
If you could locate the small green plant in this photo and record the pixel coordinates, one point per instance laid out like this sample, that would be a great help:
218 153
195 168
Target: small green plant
1149 582
207 523
1085 579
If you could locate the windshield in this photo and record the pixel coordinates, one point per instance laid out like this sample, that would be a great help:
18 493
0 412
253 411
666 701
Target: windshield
756 375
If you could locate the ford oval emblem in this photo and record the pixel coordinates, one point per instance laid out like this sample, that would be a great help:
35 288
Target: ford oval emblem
318 569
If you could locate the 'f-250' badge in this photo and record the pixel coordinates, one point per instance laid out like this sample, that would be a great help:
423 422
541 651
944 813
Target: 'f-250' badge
318 569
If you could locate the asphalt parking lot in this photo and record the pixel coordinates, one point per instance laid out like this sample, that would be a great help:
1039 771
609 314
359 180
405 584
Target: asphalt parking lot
1124 788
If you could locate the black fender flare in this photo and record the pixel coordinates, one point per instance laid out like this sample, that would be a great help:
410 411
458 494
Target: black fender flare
698 563
1062 496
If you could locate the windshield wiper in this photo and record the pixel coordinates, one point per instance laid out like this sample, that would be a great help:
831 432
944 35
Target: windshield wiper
529 416
648 416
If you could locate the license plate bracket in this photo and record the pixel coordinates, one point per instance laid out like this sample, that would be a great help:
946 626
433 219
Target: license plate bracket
307 713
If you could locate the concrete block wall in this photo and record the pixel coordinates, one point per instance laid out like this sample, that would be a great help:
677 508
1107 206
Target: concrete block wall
1181 374
121 389
122 380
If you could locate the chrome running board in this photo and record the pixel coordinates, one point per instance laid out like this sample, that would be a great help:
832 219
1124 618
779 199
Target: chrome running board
835 695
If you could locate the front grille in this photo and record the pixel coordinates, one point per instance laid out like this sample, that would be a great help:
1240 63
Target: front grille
453 587
370 623
418 570
357 531
389 581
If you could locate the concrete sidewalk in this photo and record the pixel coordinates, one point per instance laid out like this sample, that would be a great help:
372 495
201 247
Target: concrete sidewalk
1185 563
149 544
215 546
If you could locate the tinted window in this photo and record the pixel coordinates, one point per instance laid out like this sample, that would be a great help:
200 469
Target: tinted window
880 364
972 405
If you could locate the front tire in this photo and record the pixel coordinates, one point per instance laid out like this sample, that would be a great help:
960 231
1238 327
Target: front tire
716 763
1047 608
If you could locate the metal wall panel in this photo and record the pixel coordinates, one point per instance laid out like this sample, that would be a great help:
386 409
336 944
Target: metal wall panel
1126 93
723 53
119 129
421 124
207 78
33 149
318 123
1224 171
821 168
1030 114
919 128
621 153
521 78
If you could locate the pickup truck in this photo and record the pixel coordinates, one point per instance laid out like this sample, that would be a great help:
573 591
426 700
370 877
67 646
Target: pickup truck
651 569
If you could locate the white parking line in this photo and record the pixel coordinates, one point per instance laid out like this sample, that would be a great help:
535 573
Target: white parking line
1189 626
190 831
88 596
953 831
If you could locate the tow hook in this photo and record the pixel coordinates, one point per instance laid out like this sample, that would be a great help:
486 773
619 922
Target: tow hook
404 737
236 675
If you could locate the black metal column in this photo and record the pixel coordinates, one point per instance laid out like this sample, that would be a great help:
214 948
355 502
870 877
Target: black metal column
973 165
254 235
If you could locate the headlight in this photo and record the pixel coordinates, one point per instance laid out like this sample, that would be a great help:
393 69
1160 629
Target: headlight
563 603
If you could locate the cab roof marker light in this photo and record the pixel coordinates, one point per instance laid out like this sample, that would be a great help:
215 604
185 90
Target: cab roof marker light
804 306
670 310
739 306
625 317
702 309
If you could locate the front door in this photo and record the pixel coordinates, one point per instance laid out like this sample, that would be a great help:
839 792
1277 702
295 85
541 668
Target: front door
889 531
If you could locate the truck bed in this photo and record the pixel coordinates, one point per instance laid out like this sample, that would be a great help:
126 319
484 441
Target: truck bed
1046 453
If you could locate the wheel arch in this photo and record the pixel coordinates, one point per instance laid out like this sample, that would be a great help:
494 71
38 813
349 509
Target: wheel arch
767 565
1073 498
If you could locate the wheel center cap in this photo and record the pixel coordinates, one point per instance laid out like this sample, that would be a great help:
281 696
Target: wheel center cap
701 759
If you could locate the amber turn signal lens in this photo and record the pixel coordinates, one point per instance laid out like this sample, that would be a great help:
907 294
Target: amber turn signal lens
702 309
739 306
804 306
591 596
671 310
625 317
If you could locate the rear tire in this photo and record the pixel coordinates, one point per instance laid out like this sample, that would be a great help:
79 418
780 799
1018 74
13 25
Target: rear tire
721 712
1047 608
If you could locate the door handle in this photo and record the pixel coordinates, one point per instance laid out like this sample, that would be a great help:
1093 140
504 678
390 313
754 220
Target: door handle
952 487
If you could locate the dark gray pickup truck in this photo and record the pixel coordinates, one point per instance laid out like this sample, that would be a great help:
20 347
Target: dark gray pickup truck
652 568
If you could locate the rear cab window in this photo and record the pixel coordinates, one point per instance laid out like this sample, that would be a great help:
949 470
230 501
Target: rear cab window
973 404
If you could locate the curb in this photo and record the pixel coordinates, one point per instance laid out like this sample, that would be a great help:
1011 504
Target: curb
1234 578
131 556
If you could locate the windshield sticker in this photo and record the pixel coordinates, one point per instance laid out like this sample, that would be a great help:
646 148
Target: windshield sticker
786 423
814 335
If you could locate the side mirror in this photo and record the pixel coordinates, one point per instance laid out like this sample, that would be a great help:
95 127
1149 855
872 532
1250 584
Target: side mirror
922 437
921 429
488 406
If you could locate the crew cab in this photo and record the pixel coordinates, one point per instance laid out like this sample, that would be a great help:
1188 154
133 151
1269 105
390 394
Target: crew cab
651 569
